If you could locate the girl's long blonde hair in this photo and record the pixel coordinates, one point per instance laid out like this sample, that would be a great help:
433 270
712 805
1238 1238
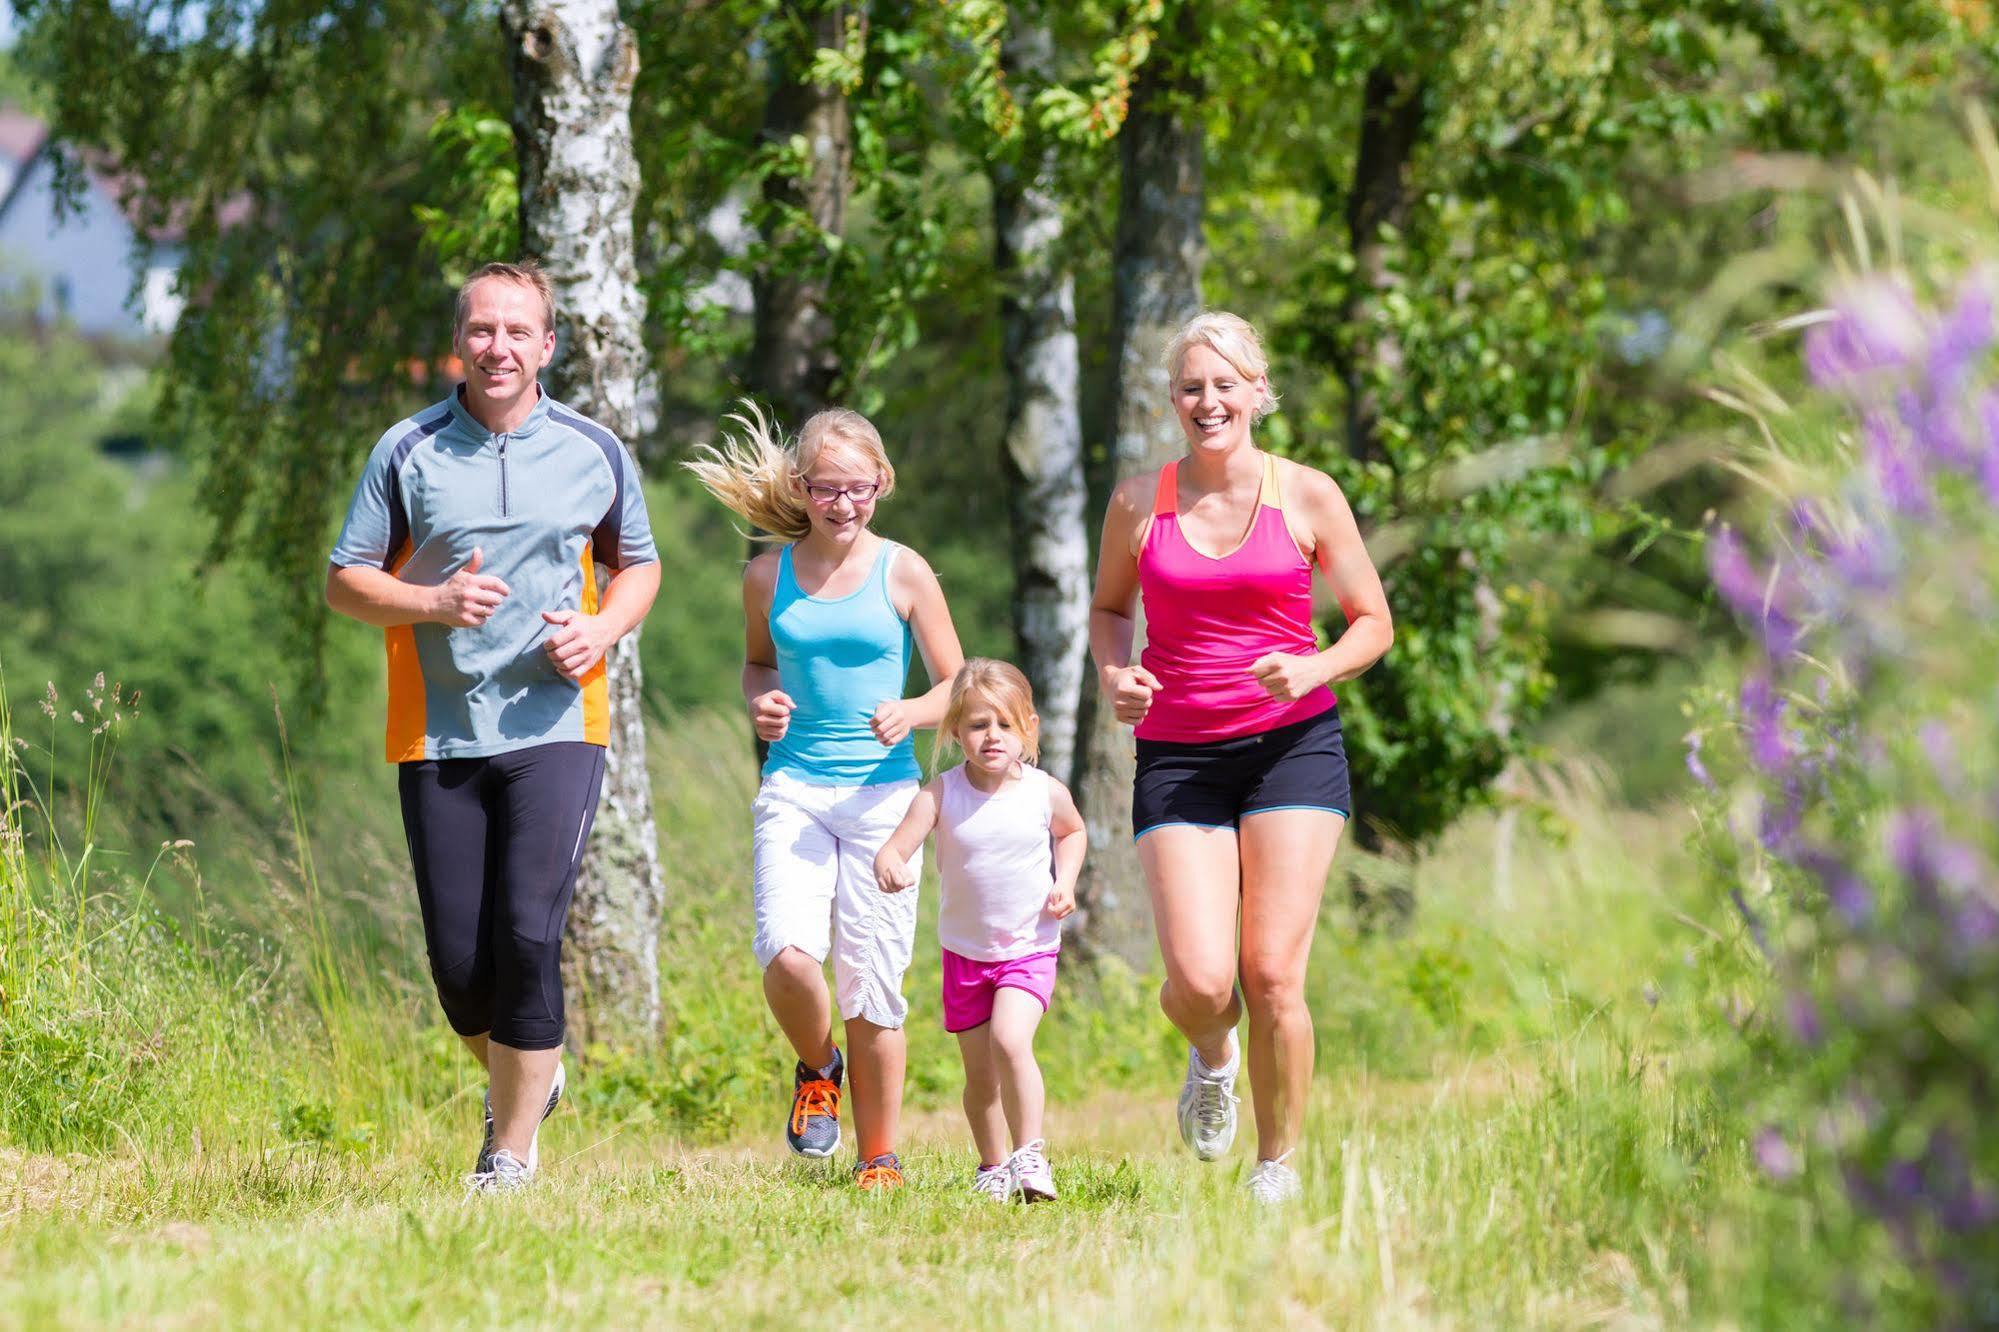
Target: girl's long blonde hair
757 475
1001 686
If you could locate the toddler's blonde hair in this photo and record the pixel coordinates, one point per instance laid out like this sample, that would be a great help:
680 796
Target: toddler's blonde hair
1001 686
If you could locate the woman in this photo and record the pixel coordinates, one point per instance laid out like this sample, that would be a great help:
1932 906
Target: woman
1241 788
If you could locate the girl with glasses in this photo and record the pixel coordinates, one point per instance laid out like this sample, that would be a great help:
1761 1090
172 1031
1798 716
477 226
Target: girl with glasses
830 620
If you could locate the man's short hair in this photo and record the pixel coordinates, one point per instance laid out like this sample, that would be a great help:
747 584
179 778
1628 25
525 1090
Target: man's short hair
527 272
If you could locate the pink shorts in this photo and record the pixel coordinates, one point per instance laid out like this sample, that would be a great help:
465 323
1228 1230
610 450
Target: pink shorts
969 986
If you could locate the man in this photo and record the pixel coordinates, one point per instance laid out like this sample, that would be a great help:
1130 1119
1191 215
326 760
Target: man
473 541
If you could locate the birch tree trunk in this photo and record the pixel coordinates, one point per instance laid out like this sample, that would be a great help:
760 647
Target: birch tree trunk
573 66
1158 254
1042 451
794 358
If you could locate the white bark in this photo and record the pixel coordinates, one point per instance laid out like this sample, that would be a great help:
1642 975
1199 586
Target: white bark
574 63
1158 256
1043 447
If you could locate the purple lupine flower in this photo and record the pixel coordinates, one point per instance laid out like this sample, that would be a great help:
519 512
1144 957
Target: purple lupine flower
1762 711
1975 925
1778 823
1843 888
1940 432
1777 1157
1958 864
1864 560
1734 576
1781 635
1964 334
1897 471
1876 326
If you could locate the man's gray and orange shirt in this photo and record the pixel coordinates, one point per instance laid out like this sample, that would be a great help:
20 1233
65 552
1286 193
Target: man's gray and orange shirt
545 504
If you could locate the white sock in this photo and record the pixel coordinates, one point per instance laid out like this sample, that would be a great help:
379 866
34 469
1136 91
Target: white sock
827 1072
1235 1057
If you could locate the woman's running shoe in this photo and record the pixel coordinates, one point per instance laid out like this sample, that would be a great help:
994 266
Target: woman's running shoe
1208 1104
1273 1182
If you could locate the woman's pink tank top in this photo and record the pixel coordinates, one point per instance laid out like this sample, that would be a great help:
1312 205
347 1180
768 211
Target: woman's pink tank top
1208 619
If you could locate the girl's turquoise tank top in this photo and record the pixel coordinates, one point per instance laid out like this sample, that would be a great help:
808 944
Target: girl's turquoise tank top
839 659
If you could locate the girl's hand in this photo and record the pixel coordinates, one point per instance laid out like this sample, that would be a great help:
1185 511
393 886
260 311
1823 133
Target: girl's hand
1062 901
1131 689
770 713
891 722
892 871
1288 678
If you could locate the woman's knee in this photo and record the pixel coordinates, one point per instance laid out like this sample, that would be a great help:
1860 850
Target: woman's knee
1272 986
1204 996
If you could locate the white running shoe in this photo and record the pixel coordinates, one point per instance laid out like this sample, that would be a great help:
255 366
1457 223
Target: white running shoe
1273 1183
508 1173
484 1164
1207 1104
993 1182
1031 1177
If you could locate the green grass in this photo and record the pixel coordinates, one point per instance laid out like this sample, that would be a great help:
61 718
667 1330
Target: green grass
1511 1125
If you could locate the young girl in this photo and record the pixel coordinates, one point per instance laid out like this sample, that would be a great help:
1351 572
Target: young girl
828 622
1009 846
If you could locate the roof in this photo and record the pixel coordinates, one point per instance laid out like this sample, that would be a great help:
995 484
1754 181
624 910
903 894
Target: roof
21 135
23 138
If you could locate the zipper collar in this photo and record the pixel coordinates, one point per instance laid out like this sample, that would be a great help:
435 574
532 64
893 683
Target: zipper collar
470 424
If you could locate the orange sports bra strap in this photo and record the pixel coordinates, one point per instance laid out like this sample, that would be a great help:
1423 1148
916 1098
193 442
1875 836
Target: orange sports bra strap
1166 499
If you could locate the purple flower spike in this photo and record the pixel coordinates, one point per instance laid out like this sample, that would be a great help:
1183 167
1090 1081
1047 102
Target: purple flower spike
1911 838
1843 888
1876 327
1898 472
1763 714
1976 925
1965 334
1777 1157
1734 576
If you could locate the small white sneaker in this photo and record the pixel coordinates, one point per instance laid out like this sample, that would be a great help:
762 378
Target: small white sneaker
1031 1176
993 1182
1273 1183
508 1173
1208 1104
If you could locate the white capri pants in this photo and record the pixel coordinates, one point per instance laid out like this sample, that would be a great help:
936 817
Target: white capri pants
815 888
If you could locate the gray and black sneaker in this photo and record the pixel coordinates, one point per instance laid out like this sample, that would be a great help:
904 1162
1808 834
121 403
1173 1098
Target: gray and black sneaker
814 1127
484 1165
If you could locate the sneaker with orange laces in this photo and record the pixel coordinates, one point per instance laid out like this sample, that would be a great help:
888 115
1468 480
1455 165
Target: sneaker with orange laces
814 1127
882 1173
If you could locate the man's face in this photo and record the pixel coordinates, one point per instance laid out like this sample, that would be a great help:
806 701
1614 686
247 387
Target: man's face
503 339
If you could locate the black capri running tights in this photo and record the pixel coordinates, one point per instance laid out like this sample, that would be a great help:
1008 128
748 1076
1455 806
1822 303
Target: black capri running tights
495 843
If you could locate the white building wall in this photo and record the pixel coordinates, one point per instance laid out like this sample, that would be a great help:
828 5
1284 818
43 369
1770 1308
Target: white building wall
81 267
